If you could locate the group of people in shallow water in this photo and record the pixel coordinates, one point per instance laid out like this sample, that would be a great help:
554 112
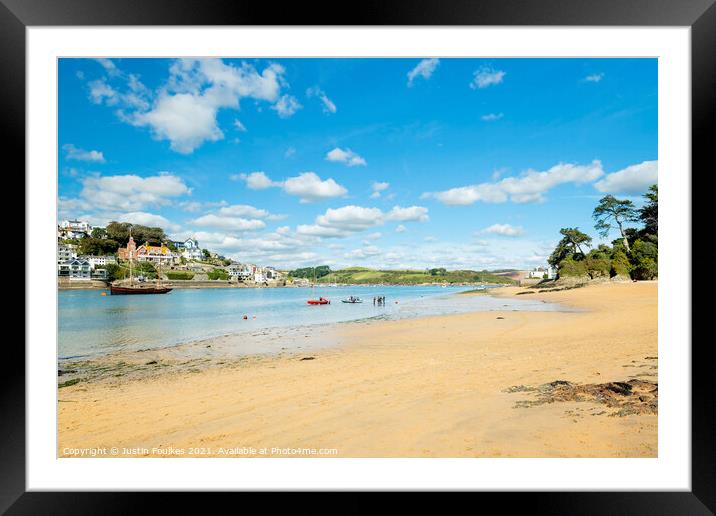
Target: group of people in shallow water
380 300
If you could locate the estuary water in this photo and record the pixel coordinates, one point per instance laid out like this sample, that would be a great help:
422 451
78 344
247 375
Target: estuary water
91 324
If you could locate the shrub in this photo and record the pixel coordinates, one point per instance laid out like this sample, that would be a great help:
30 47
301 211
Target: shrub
218 274
644 260
180 275
570 268
620 264
598 267
645 268
115 272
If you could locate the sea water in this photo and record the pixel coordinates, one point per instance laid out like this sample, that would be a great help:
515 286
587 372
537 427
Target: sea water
91 324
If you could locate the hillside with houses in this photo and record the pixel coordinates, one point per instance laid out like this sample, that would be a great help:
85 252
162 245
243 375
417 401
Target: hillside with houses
90 256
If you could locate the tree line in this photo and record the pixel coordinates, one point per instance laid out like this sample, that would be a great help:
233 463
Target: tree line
107 240
635 254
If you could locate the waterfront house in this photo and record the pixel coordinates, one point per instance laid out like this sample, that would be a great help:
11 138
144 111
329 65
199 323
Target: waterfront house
190 249
241 271
74 229
66 253
543 273
272 274
79 269
99 261
156 254
99 273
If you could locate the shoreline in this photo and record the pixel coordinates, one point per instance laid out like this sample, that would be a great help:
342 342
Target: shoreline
188 284
225 344
424 378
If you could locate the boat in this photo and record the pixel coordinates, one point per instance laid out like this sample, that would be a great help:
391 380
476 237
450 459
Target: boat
118 289
321 300
352 300
137 289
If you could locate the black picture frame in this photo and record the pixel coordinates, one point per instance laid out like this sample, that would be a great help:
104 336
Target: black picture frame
699 15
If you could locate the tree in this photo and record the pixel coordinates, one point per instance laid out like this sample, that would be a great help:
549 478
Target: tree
611 210
97 246
98 233
570 246
649 214
119 231
645 260
206 254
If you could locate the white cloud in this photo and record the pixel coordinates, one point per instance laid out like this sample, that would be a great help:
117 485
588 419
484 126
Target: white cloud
328 105
239 126
634 179
195 206
364 252
377 188
528 187
320 231
350 218
145 219
290 152
485 77
244 210
286 106
255 180
309 187
413 213
101 92
130 192
595 77
346 156
186 120
491 117
108 66
504 230
401 229
184 110
73 153
229 223
345 221
424 69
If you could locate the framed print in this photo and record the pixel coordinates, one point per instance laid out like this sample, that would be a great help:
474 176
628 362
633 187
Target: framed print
419 252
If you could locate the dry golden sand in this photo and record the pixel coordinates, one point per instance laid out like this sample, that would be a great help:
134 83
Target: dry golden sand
430 387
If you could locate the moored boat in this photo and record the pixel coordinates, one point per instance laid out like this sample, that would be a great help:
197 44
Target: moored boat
137 289
352 300
119 289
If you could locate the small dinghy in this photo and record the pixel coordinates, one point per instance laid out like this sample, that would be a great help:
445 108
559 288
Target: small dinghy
352 300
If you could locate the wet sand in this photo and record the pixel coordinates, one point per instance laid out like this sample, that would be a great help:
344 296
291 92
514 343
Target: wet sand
467 385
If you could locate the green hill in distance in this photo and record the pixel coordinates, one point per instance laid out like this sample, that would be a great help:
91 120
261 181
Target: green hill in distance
364 275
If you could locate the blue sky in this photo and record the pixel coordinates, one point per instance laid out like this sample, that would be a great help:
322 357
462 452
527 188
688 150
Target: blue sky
459 163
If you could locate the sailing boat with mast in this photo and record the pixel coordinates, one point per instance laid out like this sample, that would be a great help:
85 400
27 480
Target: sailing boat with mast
321 300
116 288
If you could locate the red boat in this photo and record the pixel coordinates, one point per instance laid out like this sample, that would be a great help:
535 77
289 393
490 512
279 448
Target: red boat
117 290
319 301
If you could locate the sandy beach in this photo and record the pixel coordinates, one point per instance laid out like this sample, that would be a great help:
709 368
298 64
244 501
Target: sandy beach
468 385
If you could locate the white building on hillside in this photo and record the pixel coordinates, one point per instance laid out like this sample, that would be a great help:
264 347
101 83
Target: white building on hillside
66 253
99 261
543 273
190 249
79 269
74 229
241 271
